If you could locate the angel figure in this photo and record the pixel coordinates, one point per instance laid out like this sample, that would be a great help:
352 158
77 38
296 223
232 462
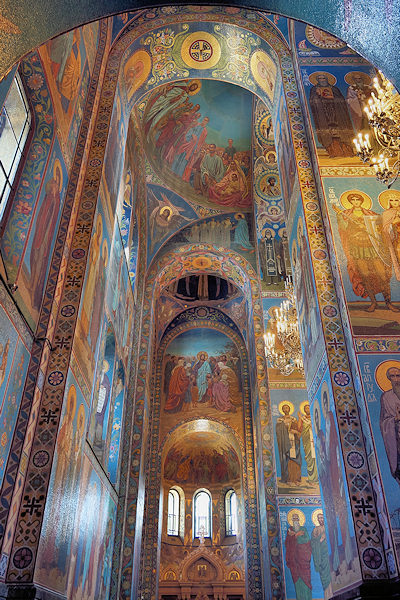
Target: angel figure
164 218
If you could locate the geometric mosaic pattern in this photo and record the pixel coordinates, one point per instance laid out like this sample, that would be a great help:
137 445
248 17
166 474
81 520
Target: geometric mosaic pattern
362 501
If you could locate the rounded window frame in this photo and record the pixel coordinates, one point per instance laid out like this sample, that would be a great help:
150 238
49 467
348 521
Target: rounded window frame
194 516
230 529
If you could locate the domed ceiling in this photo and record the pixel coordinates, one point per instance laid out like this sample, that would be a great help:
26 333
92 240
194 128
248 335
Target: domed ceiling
197 138
201 457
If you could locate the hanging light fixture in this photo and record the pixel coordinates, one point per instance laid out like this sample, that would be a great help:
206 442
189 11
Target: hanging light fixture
283 349
383 112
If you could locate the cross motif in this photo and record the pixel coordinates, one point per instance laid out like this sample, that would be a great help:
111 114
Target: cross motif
62 343
32 506
82 228
348 417
48 416
73 280
335 343
200 50
363 506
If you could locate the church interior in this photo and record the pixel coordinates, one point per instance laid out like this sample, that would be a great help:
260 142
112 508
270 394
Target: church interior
199 305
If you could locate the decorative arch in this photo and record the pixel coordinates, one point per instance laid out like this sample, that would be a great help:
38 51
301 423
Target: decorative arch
236 269
216 425
195 557
344 23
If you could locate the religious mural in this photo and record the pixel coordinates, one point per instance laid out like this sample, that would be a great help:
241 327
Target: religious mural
336 97
62 504
285 152
273 248
296 465
103 394
40 242
229 230
306 298
364 223
116 423
167 212
339 525
195 459
197 138
380 377
306 555
14 359
91 549
68 61
91 307
200 173
202 376
30 233
114 155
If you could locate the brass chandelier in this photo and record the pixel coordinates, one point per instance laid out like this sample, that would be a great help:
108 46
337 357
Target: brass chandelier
383 113
283 349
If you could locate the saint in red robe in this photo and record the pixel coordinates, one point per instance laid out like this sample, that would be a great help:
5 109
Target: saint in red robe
178 386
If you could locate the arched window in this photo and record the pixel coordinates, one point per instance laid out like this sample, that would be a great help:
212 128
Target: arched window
202 514
173 512
231 513
15 120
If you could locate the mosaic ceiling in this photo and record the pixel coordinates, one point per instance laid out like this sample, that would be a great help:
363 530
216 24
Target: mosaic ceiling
370 28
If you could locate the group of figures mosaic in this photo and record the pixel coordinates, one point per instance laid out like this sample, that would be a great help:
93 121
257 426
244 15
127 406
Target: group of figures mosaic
203 381
203 154
196 146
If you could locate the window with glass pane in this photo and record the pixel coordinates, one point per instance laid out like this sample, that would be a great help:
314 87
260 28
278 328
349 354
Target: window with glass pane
202 514
231 513
15 120
173 513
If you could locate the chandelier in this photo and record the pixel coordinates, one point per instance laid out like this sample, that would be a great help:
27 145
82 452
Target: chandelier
383 112
283 349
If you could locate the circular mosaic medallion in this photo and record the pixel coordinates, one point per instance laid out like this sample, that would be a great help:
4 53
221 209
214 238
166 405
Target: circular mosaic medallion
372 558
329 311
41 458
201 50
95 162
311 206
355 460
22 558
319 254
304 164
87 204
201 262
78 253
341 378
67 310
55 378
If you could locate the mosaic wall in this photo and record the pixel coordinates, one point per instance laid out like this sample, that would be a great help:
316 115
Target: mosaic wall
361 214
195 218
57 81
